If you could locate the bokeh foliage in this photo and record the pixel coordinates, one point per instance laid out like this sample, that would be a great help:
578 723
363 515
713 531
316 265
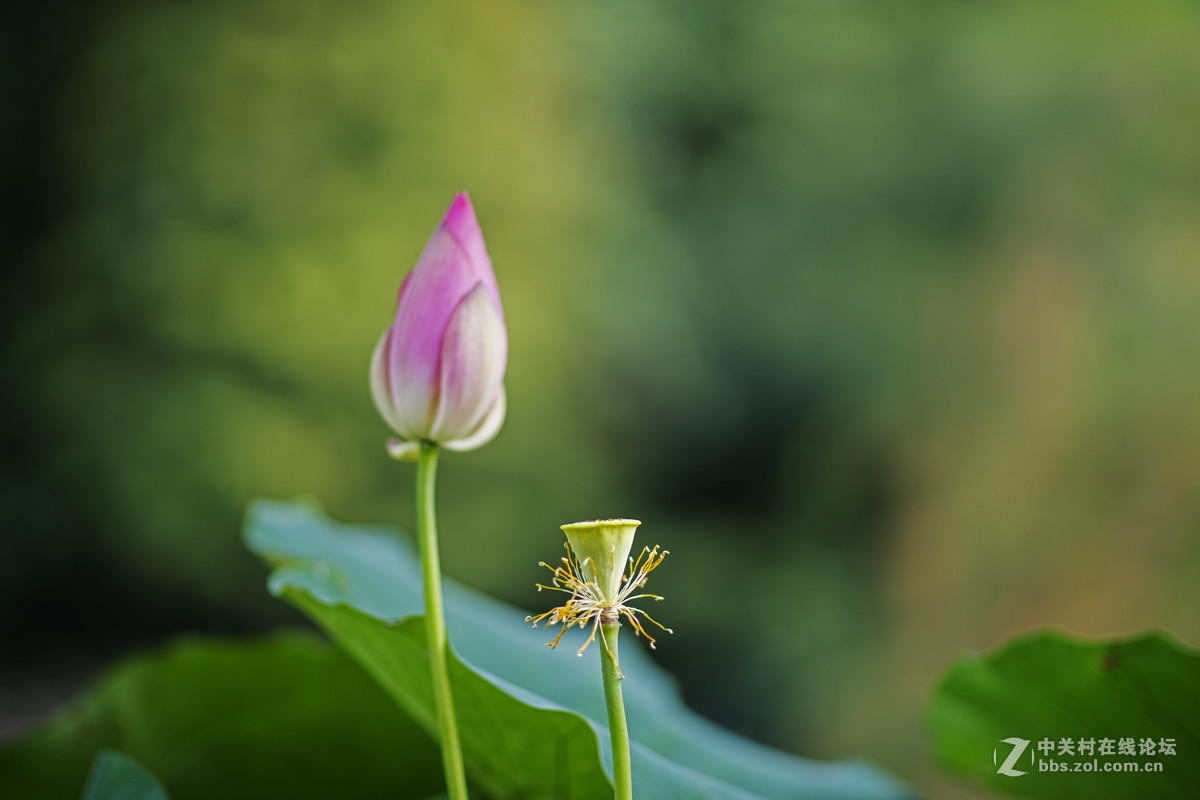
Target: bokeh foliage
880 316
1139 693
286 716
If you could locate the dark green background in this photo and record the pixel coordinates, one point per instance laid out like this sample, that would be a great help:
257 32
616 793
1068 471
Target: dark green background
882 317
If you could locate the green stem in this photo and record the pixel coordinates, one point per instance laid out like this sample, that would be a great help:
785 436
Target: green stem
435 623
617 727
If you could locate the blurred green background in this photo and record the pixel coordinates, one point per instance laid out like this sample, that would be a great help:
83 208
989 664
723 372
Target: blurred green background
882 318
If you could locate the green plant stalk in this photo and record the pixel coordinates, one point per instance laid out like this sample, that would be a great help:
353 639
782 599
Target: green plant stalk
435 623
618 729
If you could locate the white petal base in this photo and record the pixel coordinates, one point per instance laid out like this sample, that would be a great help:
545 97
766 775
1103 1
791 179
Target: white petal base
486 430
402 450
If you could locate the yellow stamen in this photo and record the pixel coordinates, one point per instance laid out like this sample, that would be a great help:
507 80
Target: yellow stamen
587 606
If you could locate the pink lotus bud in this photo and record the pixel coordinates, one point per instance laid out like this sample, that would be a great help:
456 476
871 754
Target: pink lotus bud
438 371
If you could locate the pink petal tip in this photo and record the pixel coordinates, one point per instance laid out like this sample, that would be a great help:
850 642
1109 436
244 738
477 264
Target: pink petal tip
460 218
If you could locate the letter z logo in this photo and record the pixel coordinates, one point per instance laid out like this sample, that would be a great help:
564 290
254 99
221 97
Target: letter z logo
1018 749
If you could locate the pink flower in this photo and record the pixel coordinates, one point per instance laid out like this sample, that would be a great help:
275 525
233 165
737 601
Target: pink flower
438 371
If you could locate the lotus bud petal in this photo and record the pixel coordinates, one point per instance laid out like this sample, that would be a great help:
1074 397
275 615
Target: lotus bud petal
437 373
